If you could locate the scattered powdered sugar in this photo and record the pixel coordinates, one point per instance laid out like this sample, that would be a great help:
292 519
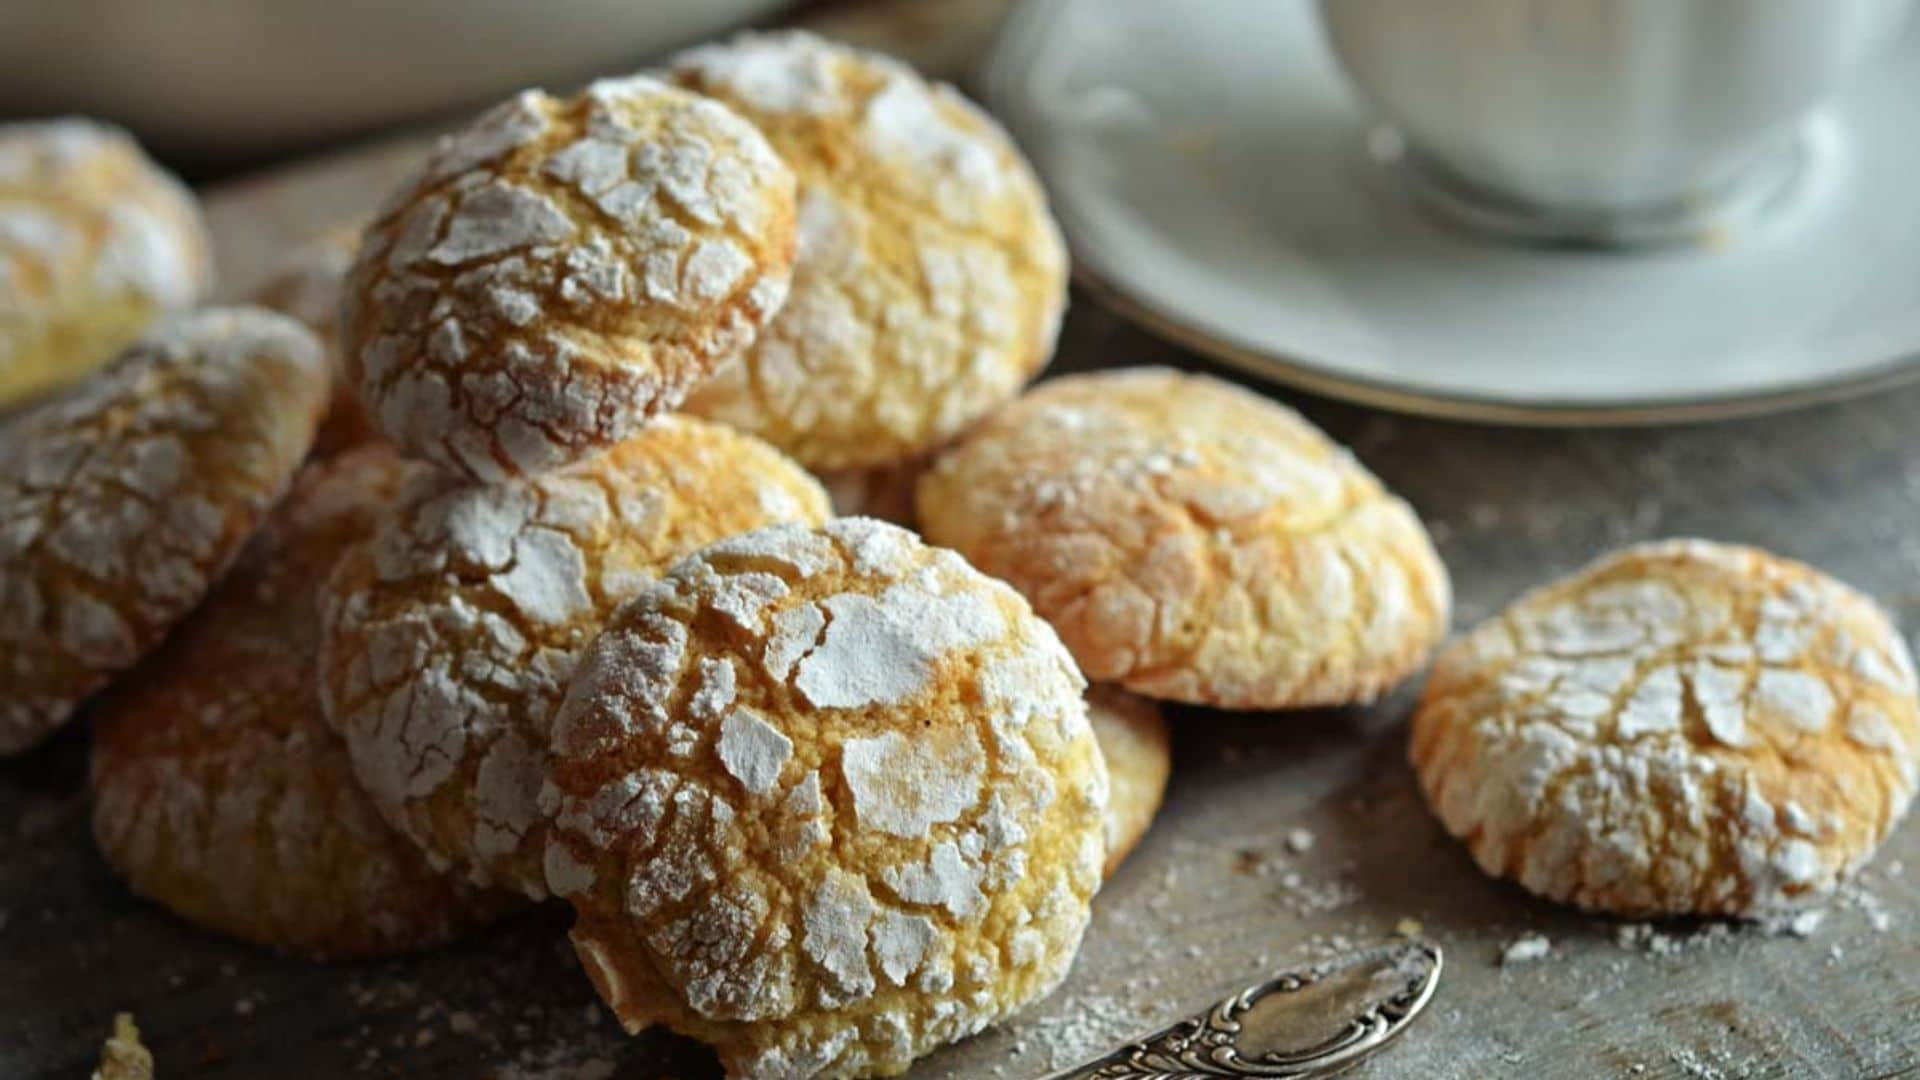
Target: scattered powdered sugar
478 1011
1525 949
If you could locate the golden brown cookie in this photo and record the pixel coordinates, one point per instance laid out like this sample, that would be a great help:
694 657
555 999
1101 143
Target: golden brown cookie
930 278
220 792
1139 754
1194 541
1679 728
124 499
827 800
561 270
451 633
308 285
96 241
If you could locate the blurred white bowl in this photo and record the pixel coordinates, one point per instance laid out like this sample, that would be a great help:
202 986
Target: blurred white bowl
227 77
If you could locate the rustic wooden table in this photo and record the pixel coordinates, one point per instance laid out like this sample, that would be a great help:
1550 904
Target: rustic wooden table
1216 896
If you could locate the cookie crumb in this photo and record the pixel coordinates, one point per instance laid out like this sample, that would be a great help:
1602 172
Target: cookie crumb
1800 924
124 1057
1525 949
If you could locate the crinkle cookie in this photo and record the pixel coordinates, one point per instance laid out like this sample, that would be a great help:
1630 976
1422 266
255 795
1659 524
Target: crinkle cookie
1139 754
218 789
309 285
1679 728
451 633
561 270
827 800
96 241
1194 541
930 278
124 499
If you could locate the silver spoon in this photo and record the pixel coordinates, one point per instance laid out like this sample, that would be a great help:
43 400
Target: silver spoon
1313 1022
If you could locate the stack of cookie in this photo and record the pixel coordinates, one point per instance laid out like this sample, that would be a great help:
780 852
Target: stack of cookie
513 575
435 606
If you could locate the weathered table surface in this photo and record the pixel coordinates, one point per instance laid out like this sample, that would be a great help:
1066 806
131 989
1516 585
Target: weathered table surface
1215 896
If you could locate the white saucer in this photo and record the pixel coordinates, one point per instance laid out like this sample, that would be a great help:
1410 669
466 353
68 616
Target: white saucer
1212 172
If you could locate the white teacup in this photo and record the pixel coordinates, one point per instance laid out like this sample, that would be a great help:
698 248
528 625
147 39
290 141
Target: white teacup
1602 121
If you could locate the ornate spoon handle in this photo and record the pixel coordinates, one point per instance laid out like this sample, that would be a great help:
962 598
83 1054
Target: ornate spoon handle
1309 1023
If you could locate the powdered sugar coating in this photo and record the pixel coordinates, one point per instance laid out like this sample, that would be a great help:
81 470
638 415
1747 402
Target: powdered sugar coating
913 859
560 271
930 277
96 241
219 790
451 633
125 498
1683 727
1193 541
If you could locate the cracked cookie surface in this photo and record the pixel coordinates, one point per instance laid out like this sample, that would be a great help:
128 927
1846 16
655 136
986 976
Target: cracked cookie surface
930 277
124 499
218 788
562 270
1138 751
309 284
1193 541
96 241
451 632
1682 727
826 799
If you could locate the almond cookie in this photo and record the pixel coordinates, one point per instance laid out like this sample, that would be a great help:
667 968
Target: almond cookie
1680 728
827 800
562 270
124 499
930 278
218 789
450 634
1139 754
309 285
1194 541
95 242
